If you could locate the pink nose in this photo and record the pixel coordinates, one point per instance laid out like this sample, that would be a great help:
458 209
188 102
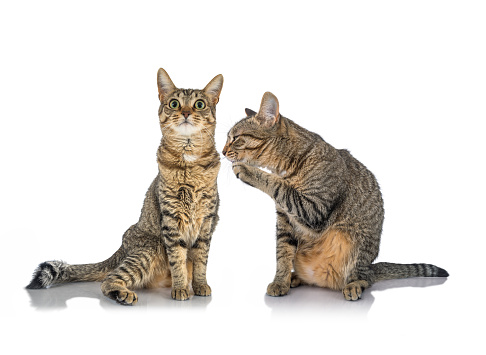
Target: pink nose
186 114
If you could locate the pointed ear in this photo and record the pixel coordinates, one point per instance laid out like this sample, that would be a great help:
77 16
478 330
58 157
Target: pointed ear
165 85
250 112
213 89
268 114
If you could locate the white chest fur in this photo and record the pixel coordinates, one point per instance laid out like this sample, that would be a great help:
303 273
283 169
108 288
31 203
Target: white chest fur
189 157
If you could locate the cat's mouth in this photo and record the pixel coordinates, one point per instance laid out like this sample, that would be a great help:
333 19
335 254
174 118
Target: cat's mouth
187 128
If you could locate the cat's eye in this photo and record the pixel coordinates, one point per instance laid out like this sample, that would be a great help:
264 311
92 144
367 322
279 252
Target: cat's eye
174 104
199 105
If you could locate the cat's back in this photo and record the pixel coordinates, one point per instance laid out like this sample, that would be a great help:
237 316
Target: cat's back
362 202
357 174
338 166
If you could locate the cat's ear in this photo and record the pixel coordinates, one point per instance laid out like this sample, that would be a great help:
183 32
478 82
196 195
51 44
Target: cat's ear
268 114
250 112
213 89
165 85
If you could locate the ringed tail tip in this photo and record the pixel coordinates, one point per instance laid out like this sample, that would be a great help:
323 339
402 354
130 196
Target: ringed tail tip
442 273
46 274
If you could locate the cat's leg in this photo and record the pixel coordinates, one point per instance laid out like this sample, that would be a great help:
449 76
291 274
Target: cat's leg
361 275
177 256
134 271
176 249
360 279
199 256
310 207
286 248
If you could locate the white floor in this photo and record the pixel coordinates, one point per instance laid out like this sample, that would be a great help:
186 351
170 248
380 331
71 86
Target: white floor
399 316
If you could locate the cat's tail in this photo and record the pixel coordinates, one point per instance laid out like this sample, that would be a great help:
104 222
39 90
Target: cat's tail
390 271
58 272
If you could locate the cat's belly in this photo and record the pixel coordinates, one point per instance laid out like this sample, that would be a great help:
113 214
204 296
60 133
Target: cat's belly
327 262
191 229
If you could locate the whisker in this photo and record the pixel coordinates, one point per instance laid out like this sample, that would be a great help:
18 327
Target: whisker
201 145
209 134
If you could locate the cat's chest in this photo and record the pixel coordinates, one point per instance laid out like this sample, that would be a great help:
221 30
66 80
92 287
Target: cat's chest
190 198
193 208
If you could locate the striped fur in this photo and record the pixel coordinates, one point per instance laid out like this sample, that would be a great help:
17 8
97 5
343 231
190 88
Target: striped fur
329 206
169 245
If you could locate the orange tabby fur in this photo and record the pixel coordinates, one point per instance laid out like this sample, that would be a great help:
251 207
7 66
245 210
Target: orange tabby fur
325 263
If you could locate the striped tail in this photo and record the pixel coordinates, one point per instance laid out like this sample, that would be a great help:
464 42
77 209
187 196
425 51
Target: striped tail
58 272
389 271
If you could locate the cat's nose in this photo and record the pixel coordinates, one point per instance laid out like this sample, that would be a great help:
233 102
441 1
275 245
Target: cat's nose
225 149
186 114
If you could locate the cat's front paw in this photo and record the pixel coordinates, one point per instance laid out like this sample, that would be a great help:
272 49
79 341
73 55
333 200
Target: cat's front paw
201 289
180 294
240 170
247 173
276 289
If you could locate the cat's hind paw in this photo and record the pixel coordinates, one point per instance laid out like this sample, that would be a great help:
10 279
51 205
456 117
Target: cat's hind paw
124 297
295 281
354 290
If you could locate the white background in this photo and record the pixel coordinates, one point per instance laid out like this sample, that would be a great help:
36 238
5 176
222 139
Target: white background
401 84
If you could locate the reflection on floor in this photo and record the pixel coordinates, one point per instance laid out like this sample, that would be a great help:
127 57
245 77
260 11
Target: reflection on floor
57 297
306 299
301 300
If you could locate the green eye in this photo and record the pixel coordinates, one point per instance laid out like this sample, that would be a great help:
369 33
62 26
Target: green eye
174 104
199 104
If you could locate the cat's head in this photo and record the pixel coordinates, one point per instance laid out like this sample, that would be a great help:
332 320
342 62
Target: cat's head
249 139
187 112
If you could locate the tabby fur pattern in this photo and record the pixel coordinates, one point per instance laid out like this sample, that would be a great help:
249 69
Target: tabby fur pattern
169 245
329 206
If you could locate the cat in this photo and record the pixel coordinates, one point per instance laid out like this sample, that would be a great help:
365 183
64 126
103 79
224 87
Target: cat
329 206
169 245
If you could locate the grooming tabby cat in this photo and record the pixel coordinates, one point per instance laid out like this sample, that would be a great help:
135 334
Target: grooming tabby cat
170 243
329 206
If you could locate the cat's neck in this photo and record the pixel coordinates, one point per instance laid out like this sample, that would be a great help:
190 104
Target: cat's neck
187 150
292 144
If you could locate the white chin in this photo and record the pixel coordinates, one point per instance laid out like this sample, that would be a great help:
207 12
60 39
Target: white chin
187 129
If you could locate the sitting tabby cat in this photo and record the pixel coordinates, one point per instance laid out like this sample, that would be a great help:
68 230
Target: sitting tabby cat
171 240
329 206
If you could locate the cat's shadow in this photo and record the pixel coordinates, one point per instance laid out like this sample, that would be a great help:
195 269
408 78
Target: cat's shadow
57 297
301 300
316 301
